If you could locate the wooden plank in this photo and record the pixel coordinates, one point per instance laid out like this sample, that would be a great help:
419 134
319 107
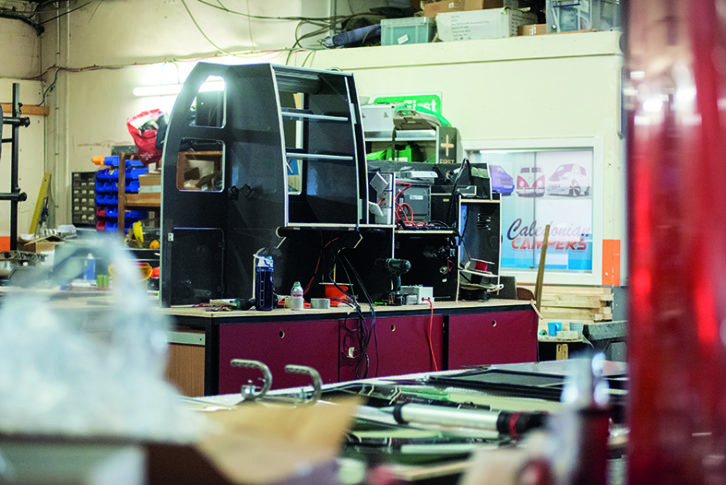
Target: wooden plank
146 199
577 313
573 301
541 268
572 290
552 313
562 352
26 109
559 340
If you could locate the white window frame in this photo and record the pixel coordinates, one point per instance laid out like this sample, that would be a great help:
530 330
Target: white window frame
596 144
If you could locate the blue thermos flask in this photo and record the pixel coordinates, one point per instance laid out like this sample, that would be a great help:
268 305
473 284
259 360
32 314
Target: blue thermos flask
263 283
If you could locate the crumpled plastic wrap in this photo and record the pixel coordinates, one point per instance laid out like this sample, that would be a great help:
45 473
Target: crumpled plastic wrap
88 362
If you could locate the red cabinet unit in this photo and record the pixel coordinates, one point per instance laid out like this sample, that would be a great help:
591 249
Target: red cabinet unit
277 344
492 338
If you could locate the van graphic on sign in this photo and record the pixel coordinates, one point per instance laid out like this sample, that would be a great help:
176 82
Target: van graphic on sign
531 182
569 179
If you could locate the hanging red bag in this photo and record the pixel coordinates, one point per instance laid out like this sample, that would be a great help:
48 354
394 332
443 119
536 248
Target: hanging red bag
143 128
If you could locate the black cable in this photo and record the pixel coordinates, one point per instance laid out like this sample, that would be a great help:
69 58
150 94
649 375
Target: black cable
454 195
67 12
368 298
50 87
293 18
363 335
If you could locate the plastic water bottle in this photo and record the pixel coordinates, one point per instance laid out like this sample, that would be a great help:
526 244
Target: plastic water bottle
296 296
89 268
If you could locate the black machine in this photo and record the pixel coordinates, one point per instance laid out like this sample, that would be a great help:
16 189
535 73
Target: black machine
286 151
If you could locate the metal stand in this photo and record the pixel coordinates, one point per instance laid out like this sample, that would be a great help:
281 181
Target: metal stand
15 195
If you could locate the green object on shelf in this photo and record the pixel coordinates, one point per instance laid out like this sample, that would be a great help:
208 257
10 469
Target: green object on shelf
408 153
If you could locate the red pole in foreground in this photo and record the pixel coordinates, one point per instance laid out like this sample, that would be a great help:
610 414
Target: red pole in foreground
677 227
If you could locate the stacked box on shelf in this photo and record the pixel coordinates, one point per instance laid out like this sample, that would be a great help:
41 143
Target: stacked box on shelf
83 198
580 304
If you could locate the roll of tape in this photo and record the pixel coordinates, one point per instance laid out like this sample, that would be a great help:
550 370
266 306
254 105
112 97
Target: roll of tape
320 303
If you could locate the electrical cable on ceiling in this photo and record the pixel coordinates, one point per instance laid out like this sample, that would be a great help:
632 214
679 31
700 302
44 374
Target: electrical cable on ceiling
267 17
249 26
68 12
199 28
298 38
28 16
50 87
324 24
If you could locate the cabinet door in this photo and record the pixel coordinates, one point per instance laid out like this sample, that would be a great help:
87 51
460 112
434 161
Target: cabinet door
397 345
277 344
492 338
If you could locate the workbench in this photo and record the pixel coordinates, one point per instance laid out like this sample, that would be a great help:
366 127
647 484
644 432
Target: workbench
403 339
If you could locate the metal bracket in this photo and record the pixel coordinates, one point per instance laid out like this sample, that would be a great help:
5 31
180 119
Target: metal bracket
249 391
314 376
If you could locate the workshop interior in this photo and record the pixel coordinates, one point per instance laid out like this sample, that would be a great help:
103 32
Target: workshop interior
367 242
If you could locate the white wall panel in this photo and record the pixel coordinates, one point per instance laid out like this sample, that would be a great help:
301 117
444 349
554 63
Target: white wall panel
20 49
506 92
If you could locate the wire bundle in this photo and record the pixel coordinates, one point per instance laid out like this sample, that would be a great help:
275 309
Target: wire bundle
332 253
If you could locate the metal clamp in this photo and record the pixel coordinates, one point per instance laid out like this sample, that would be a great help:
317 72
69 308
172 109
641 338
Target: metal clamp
249 391
314 376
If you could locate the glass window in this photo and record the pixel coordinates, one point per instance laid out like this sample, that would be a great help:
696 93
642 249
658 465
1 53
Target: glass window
208 107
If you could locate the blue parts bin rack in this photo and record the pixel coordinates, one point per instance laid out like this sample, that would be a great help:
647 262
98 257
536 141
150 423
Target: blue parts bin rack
107 193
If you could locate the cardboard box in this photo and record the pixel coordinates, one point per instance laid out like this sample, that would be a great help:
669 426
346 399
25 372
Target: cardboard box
42 244
481 24
151 178
532 29
432 9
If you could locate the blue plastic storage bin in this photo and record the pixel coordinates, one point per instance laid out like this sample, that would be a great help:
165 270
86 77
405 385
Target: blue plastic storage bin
132 186
133 173
133 216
